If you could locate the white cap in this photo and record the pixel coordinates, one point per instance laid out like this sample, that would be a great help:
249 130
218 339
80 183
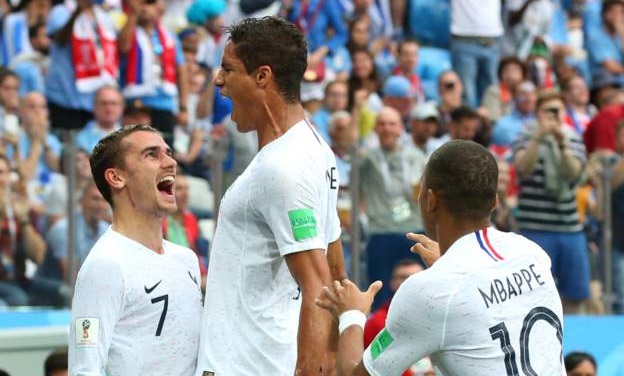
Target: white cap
425 111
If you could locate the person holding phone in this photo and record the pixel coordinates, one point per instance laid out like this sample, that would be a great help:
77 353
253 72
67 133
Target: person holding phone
550 159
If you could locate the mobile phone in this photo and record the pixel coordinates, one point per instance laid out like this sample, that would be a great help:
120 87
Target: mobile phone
554 111
449 85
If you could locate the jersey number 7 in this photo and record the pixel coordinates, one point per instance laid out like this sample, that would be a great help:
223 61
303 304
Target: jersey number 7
163 315
500 332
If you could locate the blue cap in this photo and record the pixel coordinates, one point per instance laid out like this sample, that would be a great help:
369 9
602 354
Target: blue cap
397 86
57 18
201 10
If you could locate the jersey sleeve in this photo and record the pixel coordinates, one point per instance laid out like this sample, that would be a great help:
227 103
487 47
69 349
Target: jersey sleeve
97 303
290 204
414 329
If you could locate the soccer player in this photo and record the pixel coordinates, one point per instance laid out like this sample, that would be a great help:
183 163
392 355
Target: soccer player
137 302
487 306
277 238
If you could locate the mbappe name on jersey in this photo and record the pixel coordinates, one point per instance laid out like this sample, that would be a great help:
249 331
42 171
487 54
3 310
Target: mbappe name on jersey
513 285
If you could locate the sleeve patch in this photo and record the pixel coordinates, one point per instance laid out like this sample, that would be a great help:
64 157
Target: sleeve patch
380 343
87 331
303 224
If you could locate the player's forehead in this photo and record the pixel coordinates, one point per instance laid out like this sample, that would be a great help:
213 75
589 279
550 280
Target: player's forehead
141 140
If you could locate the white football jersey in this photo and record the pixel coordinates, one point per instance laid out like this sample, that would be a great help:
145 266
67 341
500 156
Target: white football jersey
489 306
284 202
135 312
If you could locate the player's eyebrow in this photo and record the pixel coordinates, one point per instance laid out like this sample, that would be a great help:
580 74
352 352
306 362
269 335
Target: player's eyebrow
155 149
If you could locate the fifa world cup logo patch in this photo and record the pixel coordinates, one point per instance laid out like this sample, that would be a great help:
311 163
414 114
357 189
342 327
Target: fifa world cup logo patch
85 328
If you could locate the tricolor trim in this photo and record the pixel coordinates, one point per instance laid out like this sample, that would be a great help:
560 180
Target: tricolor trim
486 246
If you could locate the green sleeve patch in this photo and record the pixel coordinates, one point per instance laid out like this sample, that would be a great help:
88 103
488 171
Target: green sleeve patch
380 343
303 224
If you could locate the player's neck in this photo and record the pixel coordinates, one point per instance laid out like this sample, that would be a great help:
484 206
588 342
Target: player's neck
144 230
450 230
278 118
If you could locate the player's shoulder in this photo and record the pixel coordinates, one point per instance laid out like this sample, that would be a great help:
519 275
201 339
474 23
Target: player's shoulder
181 253
105 258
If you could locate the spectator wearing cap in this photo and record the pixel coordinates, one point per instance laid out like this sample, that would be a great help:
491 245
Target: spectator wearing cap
31 66
507 128
336 98
155 71
73 78
397 93
498 98
604 45
424 124
15 27
389 176
107 112
208 14
604 89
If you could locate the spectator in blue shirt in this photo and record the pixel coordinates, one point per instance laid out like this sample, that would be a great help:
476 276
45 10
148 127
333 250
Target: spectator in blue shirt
605 44
507 128
336 99
107 112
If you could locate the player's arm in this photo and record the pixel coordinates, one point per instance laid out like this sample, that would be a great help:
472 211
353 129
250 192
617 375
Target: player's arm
98 299
311 271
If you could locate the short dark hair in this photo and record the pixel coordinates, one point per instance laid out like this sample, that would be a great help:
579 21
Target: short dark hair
510 60
109 152
56 361
573 359
34 29
274 42
465 175
463 112
408 40
608 4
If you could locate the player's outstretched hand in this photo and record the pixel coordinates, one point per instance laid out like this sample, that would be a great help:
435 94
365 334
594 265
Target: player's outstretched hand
427 249
344 295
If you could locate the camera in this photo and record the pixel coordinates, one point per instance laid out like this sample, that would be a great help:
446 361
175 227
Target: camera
554 111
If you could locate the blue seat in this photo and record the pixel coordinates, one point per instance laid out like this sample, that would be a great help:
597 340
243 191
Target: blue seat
430 22
432 61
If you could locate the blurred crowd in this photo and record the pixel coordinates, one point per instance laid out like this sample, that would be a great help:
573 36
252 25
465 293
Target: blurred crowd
539 82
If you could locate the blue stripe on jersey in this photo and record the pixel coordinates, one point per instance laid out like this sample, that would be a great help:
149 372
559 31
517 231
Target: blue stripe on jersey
483 246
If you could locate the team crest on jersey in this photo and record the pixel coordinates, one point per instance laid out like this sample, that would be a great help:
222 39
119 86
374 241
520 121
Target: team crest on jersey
87 331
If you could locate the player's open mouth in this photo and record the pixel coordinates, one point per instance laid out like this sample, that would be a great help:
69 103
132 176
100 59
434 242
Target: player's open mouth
166 185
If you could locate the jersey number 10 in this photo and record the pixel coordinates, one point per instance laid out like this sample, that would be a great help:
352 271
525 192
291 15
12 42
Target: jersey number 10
500 332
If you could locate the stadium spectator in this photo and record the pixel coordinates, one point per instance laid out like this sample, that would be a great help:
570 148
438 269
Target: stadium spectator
73 78
601 130
465 124
19 241
364 76
526 21
502 216
450 90
377 13
155 73
56 363
604 44
107 112
292 242
38 151
443 312
498 98
15 27
90 221
397 94
132 327
579 363
209 15
32 66
407 56
507 128
182 226
424 124
476 28
9 101
389 174
336 99
550 159
579 110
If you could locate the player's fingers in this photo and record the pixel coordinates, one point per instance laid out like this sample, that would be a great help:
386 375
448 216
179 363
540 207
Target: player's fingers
327 294
374 288
419 238
326 304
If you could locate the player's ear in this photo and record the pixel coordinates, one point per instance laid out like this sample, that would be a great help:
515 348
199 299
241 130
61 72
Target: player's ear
432 201
263 76
114 178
